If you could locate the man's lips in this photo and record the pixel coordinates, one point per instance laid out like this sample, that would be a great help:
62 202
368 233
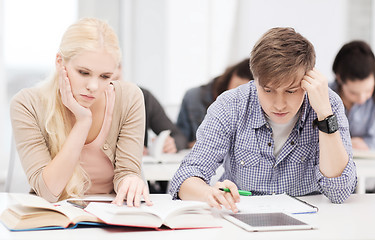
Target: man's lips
280 114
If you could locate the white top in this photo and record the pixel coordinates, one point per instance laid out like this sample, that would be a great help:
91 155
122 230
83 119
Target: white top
280 133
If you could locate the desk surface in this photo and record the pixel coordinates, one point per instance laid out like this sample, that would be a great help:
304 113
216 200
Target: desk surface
353 219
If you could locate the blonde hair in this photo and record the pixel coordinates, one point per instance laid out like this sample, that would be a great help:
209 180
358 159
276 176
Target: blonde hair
87 34
279 55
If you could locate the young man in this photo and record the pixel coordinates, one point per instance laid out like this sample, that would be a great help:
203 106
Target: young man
286 131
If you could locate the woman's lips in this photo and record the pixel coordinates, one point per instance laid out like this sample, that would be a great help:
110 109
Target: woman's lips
87 97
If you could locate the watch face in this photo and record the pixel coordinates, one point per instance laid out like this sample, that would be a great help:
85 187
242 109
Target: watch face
332 124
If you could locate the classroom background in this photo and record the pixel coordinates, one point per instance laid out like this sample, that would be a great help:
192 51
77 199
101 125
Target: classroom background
168 46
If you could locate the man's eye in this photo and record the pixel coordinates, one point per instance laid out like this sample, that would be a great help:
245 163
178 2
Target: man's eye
289 91
105 76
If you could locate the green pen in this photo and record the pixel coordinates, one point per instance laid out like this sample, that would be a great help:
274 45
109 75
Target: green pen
241 192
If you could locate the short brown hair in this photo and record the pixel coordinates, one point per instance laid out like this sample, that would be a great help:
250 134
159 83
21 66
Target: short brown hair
279 55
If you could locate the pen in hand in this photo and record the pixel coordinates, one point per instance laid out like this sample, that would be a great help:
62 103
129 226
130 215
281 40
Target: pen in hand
241 192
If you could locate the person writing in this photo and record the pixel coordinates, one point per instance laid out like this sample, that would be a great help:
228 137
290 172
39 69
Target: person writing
196 100
284 132
79 132
354 68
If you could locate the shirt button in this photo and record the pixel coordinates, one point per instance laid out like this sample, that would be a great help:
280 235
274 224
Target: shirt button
292 143
303 158
242 163
105 147
269 144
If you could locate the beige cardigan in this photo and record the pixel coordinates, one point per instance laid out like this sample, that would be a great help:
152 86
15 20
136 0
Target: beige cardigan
123 145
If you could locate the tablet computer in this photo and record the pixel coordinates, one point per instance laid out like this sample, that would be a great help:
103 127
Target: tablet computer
266 221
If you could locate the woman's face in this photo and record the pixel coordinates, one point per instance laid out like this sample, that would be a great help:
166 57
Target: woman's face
90 73
359 91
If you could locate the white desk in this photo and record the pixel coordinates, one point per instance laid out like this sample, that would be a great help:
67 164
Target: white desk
164 171
353 219
164 167
365 170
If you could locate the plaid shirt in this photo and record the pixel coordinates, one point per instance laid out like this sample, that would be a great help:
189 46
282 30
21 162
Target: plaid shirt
235 133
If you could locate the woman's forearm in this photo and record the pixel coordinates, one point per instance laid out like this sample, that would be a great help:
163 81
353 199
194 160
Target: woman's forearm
59 171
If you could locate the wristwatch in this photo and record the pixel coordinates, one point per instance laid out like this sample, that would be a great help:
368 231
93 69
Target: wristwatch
328 125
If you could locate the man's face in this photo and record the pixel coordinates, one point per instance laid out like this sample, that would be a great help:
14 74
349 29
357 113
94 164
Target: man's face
358 91
281 104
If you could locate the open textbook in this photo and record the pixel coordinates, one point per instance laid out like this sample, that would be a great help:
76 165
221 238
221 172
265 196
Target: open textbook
175 214
34 213
31 212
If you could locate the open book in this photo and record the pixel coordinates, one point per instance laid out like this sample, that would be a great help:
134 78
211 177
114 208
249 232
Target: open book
175 214
31 212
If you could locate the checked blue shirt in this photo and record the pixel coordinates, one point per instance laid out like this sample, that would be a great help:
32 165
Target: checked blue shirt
236 134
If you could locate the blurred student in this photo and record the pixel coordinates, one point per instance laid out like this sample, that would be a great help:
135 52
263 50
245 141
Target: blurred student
197 100
158 121
79 132
354 68
284 132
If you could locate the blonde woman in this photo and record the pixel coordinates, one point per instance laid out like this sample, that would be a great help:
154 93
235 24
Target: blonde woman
79 133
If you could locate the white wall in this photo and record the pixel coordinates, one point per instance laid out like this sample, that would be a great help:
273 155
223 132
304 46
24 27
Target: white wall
323 22
3 149
173 45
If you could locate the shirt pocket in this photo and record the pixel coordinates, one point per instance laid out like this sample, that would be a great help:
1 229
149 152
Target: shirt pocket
245 157
303 154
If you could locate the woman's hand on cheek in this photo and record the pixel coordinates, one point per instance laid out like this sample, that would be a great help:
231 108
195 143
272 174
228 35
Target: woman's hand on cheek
69 101
132 188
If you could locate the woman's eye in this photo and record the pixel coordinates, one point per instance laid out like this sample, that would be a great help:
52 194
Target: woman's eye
83 72
105 76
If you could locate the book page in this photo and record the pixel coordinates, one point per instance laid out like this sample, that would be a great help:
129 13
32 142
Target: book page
73 213
273 203
76 214
156 148
146 216
29 200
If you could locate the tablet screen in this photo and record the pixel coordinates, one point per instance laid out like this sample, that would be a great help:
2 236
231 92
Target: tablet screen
266 221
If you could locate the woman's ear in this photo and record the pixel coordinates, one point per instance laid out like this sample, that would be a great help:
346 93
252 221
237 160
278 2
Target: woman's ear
58 61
